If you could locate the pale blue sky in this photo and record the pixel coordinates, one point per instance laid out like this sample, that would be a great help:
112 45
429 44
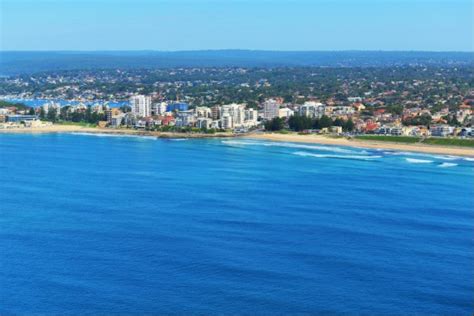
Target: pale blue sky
437 25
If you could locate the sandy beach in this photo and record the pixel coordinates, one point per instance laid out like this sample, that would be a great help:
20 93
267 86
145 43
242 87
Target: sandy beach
318 139
117 131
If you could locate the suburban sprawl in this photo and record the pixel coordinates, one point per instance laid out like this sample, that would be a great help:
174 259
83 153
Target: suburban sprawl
416 101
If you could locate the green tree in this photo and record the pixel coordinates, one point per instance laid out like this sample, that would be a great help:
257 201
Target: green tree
42 113
51 115
325 121
275 124
348 125
299 123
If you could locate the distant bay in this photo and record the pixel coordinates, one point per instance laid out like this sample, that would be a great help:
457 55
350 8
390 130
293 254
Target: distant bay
63 102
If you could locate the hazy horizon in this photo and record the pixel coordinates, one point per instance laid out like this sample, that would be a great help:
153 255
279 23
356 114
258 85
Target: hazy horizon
232 49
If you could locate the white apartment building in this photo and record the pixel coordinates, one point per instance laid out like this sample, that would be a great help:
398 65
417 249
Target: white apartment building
52 106
159 108
141 105
203 111
204 122
236 112
312 109
441 130
185 118
226 121
270 109
285 112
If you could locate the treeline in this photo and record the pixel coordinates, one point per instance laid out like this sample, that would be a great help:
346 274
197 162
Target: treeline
300 123
88 116
18 106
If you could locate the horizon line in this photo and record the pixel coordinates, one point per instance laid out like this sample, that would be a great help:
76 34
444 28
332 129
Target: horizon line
236 49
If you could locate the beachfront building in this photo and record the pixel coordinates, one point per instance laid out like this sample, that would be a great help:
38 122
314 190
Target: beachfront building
141 105
203 111
52 106
441 130
204 122
226 121
20 118
159 108
216 112
285 112
270 109
185 118
312 109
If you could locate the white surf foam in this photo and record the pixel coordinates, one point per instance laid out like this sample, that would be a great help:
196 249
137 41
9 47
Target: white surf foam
114 135
292 145
447 165
413 160
356 157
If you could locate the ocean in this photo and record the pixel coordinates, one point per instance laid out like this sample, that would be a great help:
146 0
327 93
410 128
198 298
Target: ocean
102 224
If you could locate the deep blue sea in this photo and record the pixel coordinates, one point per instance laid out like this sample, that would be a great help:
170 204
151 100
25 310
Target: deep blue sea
97 224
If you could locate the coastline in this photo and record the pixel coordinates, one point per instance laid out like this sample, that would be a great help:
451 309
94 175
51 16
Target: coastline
319 139
315 139
116 131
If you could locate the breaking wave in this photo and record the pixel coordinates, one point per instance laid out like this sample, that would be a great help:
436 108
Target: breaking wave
447 165
114 135
353 157
413 160
292 145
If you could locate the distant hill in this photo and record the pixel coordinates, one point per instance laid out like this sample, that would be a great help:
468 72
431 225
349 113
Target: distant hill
30 62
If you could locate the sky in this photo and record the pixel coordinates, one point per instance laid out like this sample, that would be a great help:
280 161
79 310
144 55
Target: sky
290 25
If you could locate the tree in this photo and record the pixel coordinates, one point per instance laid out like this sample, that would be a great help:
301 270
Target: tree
325 121
348 125
275 124
51 115
32 111
42 113
338 122
299 123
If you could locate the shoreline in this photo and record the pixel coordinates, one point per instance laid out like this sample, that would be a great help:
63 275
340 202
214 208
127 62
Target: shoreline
314 139
113 131
323 140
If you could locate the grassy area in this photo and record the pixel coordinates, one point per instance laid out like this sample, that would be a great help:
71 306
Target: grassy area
430 141
450 142
83 124
383 138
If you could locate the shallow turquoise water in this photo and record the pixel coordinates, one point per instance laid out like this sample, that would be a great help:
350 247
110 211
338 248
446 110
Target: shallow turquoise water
94 224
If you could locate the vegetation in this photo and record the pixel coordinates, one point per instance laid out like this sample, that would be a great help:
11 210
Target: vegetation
18 106
300 123
450 142
275 124
388 138
430 141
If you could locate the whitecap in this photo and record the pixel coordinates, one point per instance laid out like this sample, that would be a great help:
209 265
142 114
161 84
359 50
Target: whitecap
292 145
413 160
447 165
469 159
113 135
356 157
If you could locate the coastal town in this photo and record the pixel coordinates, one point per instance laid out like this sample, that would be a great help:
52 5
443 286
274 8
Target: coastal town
417 101
148 113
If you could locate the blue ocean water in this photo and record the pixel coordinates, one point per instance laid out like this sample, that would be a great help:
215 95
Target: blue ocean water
97 224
